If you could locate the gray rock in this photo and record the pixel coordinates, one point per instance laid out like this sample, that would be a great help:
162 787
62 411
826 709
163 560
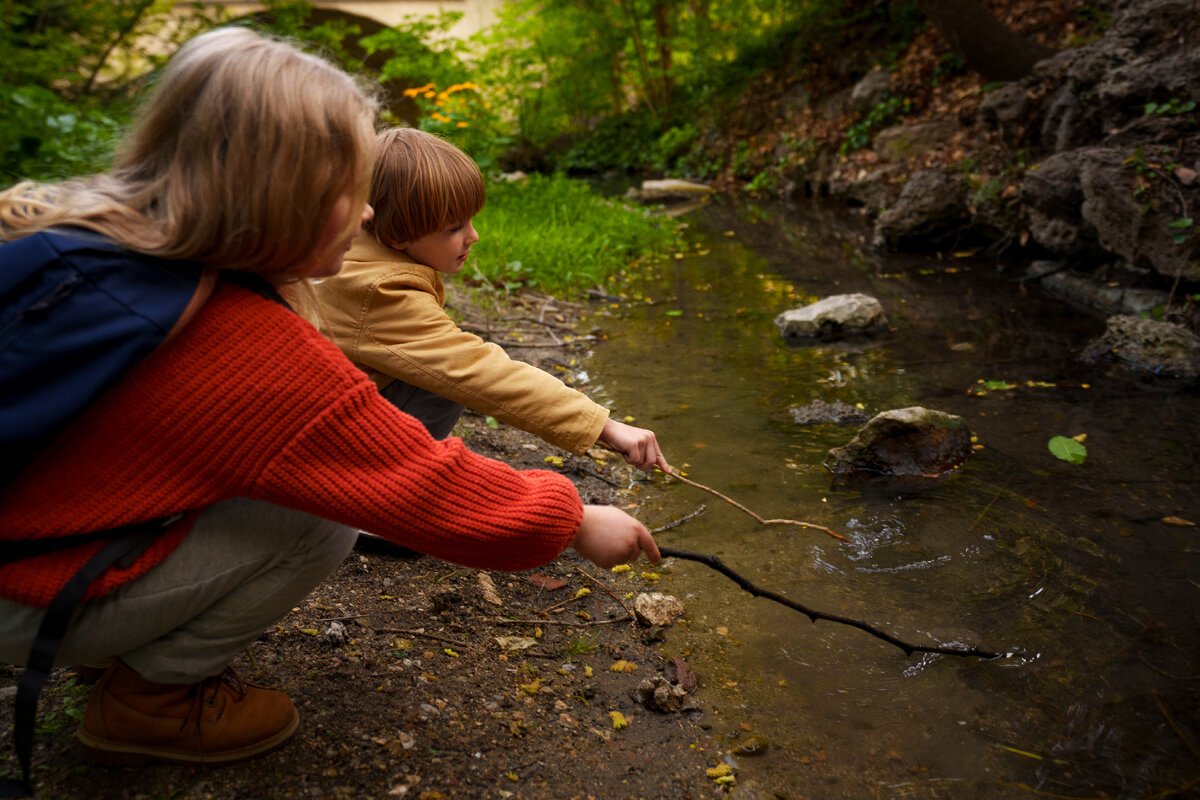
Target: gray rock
932 203
834 317
912 441
1162 349
656 608
870 91
672 189
902 141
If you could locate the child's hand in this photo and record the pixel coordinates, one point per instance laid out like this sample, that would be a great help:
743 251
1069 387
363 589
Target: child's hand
608 536
638 445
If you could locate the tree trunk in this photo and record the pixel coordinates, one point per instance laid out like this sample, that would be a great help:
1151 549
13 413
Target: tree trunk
989 47
662 30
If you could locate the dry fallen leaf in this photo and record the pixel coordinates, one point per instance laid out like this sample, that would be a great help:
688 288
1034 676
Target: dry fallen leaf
1179 521
488 587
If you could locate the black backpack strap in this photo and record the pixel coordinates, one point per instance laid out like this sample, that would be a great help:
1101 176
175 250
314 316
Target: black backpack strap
126 545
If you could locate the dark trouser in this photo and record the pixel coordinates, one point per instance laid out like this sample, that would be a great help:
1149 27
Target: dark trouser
435 412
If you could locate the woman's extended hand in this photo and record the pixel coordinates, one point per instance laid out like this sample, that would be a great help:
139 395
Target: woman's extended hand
608 536
638 445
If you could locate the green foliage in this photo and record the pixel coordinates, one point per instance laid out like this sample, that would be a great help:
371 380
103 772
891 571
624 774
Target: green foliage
560 235
1068 449
47 138
624 141
57 719
68 74
884 113
1173 107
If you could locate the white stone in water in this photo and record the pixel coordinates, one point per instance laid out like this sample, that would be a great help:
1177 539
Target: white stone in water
656 608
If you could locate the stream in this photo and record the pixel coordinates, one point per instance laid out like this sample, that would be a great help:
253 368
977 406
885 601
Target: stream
1068 569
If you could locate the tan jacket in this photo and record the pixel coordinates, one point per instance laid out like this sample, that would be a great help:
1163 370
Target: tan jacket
386 314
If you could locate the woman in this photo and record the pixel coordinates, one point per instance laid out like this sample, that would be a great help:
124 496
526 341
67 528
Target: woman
251 157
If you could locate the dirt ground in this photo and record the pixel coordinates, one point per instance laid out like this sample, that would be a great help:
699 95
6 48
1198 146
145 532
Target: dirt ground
417 678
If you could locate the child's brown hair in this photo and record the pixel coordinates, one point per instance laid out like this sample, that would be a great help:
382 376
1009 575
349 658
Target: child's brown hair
420 184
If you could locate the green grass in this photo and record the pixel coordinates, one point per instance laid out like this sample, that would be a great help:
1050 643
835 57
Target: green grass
559 235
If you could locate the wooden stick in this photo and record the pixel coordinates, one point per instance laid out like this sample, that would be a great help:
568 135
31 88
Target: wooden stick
761 521
813 615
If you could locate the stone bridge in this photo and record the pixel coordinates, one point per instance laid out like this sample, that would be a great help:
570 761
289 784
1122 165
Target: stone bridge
371 15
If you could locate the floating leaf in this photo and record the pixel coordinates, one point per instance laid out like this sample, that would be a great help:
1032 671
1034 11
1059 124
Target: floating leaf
1068 449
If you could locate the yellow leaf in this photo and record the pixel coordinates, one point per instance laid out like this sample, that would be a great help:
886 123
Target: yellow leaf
588 672
1081 438
532 688
623 666
618 720
650 576
719 771
622 568
450 652
555 460
1179 521
583 592
309 631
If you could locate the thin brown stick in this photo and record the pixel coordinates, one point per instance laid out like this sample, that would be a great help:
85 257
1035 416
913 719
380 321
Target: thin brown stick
761 521
580 624
436 638
814 615
681 520
604 586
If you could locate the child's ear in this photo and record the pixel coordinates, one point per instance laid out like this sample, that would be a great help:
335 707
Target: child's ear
401 246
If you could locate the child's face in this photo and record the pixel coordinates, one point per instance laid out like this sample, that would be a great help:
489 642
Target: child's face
446 250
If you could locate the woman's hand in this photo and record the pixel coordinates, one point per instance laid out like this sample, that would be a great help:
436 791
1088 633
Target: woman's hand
608 536
638 445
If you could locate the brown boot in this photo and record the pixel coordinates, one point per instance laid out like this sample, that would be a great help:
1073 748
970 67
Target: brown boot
131 721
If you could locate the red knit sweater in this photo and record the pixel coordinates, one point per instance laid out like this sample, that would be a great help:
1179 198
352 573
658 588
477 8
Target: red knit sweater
251 401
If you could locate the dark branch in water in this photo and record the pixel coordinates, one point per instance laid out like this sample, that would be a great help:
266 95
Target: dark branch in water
813 615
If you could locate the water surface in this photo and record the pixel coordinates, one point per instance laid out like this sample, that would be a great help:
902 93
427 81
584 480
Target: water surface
1068 568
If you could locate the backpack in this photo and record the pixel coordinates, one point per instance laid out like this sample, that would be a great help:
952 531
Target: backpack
77 311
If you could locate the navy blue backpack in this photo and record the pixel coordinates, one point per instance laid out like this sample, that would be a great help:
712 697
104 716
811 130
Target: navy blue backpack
77 312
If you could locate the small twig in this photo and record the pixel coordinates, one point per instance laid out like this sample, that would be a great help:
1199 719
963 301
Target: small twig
604 586
580 624
680 521
761 521
813 615
455 642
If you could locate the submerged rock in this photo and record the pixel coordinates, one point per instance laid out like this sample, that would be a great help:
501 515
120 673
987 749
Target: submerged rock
1145 345
911 442
818 412
834 317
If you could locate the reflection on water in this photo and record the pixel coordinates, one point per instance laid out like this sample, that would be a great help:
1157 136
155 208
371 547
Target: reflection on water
1069 569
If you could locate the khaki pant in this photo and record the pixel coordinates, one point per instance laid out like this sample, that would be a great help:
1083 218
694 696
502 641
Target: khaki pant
244 565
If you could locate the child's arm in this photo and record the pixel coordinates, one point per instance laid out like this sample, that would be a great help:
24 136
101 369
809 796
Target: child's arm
638 445
608 536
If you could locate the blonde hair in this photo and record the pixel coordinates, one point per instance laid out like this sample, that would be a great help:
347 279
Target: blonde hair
235 160
420 184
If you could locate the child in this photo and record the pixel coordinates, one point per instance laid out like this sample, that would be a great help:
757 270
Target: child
270 447
385 310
